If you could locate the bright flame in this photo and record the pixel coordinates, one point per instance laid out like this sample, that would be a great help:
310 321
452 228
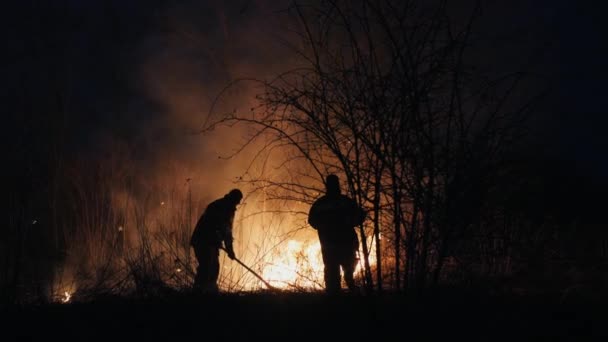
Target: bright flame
66 297
298 265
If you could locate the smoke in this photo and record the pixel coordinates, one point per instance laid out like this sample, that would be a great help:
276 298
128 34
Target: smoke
167 170
183 70
136 83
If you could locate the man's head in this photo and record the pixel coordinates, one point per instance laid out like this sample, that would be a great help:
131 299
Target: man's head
332 185
235 196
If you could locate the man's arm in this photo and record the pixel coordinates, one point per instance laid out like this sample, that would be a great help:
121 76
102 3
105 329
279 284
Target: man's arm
359 213
313 216
229 249
228 239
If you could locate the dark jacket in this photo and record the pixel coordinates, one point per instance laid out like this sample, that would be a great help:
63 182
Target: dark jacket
215 225
334 217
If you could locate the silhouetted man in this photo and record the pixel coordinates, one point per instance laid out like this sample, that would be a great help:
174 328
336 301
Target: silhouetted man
335 216
213 229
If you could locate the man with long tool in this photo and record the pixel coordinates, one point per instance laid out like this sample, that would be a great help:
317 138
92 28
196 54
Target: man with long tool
214 229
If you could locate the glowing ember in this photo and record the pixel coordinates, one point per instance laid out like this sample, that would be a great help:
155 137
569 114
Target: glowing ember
66 297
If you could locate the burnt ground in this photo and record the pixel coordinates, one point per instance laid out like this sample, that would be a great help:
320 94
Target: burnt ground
446 315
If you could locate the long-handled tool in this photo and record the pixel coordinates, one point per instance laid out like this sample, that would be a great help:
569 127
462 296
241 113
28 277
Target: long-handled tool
254 273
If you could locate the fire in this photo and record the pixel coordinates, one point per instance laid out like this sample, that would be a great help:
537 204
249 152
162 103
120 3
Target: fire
297 265
66 297
65 287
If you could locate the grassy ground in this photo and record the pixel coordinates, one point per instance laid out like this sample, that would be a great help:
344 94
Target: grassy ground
446 315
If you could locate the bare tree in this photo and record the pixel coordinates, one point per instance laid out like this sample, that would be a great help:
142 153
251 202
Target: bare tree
385 95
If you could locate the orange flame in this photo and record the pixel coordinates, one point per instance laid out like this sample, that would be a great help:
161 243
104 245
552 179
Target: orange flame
297 265
66 297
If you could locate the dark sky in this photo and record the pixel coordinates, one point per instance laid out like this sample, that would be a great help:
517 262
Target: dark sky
575 62
132 69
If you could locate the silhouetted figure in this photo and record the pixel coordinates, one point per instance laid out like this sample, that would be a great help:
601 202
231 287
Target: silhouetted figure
213 229
335 216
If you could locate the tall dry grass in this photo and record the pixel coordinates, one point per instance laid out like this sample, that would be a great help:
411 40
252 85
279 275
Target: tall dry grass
127 237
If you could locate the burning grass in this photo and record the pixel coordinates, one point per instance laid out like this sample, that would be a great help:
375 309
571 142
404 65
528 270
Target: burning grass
142 249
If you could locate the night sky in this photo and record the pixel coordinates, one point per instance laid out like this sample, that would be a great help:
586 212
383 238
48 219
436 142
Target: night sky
145 72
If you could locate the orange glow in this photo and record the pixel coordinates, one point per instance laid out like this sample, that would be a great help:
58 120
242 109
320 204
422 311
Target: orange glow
297 265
